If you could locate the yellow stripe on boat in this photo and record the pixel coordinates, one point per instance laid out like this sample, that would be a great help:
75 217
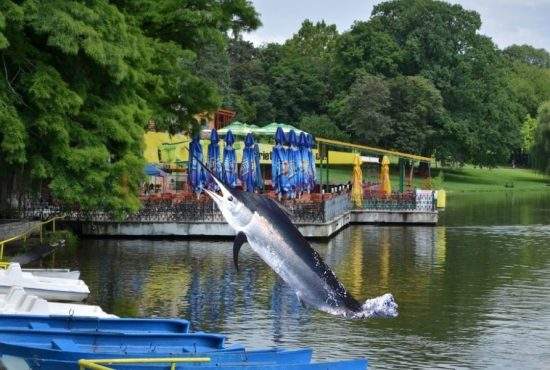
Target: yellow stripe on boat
98 364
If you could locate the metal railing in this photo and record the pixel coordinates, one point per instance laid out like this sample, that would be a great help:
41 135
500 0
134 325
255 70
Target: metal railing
409 201
23 236
320 209
336 206
202 210
98 364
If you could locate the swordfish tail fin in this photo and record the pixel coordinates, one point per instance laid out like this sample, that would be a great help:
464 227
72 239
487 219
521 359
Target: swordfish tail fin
383 306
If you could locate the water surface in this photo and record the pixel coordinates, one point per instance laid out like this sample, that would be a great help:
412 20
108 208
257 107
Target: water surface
473 292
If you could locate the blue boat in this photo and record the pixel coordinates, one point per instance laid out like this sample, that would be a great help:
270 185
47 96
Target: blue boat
59 342
108 344
73 323
40 358
335 365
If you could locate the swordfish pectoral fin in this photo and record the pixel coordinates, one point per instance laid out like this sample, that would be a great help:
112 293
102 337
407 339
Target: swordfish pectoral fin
240 239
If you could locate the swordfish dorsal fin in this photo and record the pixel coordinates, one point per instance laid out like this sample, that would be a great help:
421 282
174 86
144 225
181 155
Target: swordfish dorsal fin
240 239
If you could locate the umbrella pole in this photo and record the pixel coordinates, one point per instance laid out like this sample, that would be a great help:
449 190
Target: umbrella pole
410 185
320 167
328 170
401 175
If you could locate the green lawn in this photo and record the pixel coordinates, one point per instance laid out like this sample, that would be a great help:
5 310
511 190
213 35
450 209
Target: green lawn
464 179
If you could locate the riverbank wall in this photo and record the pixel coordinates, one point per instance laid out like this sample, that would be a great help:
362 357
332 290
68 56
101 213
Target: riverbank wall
201 217
314 230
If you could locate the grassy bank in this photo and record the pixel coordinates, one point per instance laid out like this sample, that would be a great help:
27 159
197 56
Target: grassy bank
465 179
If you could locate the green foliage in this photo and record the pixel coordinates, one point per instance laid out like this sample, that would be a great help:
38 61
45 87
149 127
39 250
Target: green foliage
529 85
417 114
364 111
81 80
250 95
440 42
417 76
526 54
528 131
405 112
367 50
322 126
315 42
541 148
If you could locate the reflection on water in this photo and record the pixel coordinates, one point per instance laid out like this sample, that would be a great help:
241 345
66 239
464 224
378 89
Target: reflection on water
470 294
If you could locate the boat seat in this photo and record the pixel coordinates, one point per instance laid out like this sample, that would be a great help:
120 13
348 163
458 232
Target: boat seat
65 345
38 325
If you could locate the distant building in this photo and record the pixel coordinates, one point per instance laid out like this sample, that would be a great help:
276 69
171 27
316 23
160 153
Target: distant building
219 119
222 118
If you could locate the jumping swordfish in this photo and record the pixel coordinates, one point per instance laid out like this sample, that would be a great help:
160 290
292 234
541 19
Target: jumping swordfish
262 223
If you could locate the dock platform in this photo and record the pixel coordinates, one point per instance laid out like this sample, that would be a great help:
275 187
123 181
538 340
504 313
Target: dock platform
201 217
314 230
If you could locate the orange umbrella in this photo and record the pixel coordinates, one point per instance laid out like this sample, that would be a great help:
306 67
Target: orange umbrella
357 183
385 185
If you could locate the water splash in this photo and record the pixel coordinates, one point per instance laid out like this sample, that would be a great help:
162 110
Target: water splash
383 306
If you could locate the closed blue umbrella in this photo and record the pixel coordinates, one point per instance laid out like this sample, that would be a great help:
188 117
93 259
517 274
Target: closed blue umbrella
259 178
214 161
248 166
294 163
229 164
196 175
304 163
312 169
279 165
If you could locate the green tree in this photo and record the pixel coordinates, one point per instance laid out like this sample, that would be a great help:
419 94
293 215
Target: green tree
322 126
528 131
417 76
82 79
440 42
528 55
365 49
314 41
417 114
283 82
212 64
364 112
300 79
250 94
541 148
529 85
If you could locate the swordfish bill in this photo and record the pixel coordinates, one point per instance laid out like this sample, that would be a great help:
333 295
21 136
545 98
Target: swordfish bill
266 227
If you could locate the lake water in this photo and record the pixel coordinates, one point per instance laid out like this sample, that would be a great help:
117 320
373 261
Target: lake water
473 292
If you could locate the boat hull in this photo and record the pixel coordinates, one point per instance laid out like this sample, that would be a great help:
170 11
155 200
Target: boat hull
18 302
72 323
108 344
214 364
50 288
50 295
55 273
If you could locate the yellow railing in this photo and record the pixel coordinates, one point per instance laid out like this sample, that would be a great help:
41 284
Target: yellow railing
24 236
97 364
371 149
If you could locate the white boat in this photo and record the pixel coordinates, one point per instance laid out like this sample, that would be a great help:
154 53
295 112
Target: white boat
56 273
50 288
19 302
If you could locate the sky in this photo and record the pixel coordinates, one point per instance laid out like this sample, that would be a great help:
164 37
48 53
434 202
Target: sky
507 22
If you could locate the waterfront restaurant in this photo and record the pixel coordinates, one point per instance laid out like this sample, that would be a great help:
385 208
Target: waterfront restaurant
167 196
